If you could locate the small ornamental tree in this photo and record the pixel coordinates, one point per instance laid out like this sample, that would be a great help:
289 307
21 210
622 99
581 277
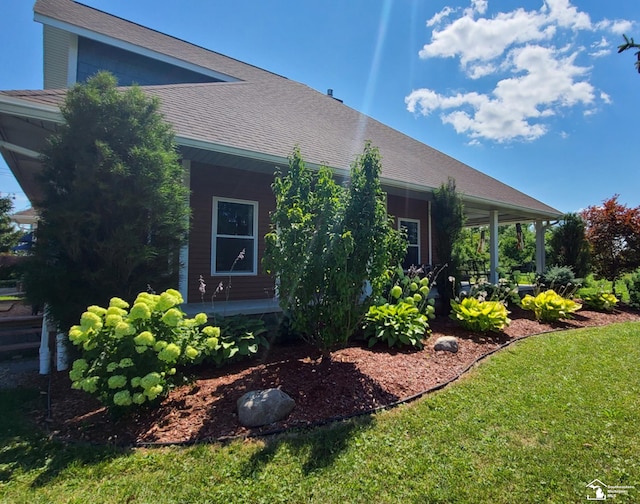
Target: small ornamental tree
613 232
113 212
568 245
326 242
9 235
447 214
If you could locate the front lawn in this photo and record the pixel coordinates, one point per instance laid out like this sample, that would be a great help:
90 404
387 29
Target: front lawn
534 423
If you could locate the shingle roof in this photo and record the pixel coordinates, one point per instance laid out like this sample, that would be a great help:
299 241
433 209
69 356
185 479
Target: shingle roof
99 22
269 118
269 114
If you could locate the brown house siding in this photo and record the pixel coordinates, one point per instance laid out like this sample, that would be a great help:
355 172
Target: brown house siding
409 208
208 181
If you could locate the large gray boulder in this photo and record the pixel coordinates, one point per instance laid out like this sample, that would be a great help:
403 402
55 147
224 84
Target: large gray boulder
447 343
262 407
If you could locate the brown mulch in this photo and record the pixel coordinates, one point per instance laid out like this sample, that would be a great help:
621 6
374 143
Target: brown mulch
351 381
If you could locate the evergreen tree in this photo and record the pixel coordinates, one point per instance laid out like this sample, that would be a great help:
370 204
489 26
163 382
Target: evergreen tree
447 212
9 235
113 214
568 245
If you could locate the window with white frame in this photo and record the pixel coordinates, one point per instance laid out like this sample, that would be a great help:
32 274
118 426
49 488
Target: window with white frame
235 231
412 229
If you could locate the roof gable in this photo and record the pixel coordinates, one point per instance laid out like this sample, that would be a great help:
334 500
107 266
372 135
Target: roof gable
79 19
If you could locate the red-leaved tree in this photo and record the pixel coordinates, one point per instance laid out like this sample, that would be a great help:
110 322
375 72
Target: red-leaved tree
613 231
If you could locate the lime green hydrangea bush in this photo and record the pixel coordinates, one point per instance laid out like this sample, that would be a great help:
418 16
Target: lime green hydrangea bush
402 317
480 316
549 306
130 353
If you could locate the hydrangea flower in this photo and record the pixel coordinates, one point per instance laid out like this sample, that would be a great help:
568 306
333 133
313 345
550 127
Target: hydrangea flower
144 338
417 297
111 367
135 381
90 384
98 310
116 310
201 318
141 349
140 311
396 291
80 365
176 295
138 398
76 374
150 380
76 335
126 362
166 301
122 398
117 381
212 343
170 353
112 320
153 392
191 352
160 345
90 320
118 302
172 317
148 299
124 329
213 332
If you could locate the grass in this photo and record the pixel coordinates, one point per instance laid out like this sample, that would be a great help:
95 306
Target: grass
11 298
533 423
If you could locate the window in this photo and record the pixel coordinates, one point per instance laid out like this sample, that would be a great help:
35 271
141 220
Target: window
412 229
235 228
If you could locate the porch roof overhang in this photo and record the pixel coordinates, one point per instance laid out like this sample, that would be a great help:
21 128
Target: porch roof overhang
25 126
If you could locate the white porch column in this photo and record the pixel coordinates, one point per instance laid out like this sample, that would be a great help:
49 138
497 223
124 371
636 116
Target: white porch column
183 281
540 253
493 246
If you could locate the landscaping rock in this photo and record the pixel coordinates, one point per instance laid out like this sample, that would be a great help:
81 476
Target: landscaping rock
447 343
262 407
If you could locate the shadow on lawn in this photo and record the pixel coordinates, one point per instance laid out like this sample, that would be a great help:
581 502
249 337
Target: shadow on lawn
26 448
319 447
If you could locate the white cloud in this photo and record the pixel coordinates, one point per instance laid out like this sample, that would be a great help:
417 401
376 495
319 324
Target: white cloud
605 98
618 27
535 69
437 18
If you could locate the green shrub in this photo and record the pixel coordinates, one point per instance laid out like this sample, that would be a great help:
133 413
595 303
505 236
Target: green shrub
559 278
633 286
599 300
130 356
549 306
480 316
401 317
397 324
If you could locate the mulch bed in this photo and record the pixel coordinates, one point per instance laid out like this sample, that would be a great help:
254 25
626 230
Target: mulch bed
349 381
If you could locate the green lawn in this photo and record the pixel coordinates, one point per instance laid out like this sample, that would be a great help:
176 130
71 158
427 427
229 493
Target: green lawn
533 423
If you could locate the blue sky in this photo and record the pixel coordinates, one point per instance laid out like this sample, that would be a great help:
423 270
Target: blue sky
530 92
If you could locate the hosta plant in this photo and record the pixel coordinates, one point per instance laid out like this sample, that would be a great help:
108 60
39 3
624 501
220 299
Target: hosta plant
480 316
600 300
549 306
396 324
130 354
401 317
